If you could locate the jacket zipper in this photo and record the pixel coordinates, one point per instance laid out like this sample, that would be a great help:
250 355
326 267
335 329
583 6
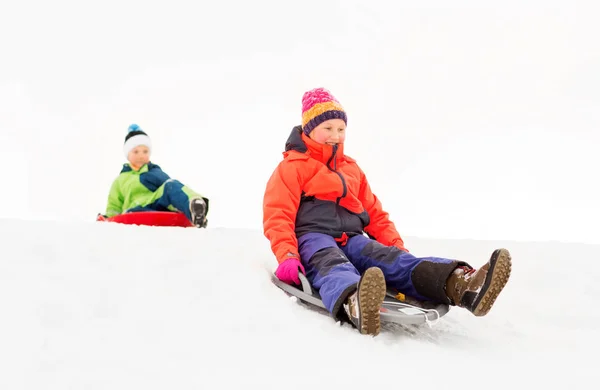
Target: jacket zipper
334 169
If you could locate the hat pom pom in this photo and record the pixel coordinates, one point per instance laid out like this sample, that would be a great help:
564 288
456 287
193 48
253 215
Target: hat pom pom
133 127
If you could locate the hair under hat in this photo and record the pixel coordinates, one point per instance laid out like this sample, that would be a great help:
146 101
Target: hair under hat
318 106
135 137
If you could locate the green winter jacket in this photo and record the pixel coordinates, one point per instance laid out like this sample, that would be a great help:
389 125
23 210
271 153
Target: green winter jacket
135 188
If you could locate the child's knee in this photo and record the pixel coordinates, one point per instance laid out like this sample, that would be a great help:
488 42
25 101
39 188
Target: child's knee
326 259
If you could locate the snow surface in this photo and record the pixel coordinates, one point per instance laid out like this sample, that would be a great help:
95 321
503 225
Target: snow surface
89 305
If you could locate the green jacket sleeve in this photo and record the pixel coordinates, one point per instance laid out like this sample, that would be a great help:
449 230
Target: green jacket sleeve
115 200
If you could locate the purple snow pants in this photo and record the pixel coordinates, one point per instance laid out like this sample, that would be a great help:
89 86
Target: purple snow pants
334 269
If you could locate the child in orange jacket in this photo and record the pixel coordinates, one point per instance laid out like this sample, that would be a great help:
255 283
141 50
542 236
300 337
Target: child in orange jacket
323 220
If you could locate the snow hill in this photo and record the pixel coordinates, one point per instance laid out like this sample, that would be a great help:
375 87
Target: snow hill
89 305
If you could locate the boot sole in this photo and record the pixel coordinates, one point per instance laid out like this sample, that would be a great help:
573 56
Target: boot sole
371 293
197 209
498 274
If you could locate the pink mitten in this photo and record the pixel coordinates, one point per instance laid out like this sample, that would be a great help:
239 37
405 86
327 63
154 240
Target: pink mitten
288 271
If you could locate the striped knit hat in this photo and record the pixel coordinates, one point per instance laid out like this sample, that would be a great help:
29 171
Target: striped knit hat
318 106
135 137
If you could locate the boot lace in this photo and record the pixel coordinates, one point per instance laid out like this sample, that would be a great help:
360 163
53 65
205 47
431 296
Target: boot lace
468 272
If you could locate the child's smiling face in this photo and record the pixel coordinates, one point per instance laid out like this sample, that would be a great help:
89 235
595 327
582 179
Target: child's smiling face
331 132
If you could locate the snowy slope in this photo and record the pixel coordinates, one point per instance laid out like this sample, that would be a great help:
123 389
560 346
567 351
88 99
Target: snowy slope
108 306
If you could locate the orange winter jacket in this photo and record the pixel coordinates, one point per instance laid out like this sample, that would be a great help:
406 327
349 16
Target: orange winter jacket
316 188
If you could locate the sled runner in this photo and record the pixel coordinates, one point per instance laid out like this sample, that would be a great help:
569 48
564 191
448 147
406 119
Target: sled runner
396 308
150 218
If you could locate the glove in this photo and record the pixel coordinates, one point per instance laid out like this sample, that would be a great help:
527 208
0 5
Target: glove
287 271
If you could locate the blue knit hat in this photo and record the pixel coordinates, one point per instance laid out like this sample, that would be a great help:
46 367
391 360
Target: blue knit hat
135 137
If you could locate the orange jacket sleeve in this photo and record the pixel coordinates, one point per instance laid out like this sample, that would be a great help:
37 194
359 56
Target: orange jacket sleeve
380 226
280 206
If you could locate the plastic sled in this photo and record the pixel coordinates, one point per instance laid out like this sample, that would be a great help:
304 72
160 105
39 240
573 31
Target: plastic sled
150 218
396 308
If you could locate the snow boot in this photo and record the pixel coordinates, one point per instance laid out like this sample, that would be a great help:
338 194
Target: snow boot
198 211
362 306
477 290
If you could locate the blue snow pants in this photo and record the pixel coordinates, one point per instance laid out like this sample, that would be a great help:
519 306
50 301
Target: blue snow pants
172 195
334 269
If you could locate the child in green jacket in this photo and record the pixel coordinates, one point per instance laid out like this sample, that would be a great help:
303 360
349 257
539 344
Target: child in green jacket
143 186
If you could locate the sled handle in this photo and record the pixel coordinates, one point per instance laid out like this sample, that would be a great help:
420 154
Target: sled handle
305 283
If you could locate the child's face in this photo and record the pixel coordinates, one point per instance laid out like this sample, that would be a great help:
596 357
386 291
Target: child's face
139 156
331 132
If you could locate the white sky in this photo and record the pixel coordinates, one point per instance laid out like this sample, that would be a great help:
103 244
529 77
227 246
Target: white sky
471 121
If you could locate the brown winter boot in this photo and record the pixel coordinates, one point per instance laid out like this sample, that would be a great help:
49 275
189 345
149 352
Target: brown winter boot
362 306
477 290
